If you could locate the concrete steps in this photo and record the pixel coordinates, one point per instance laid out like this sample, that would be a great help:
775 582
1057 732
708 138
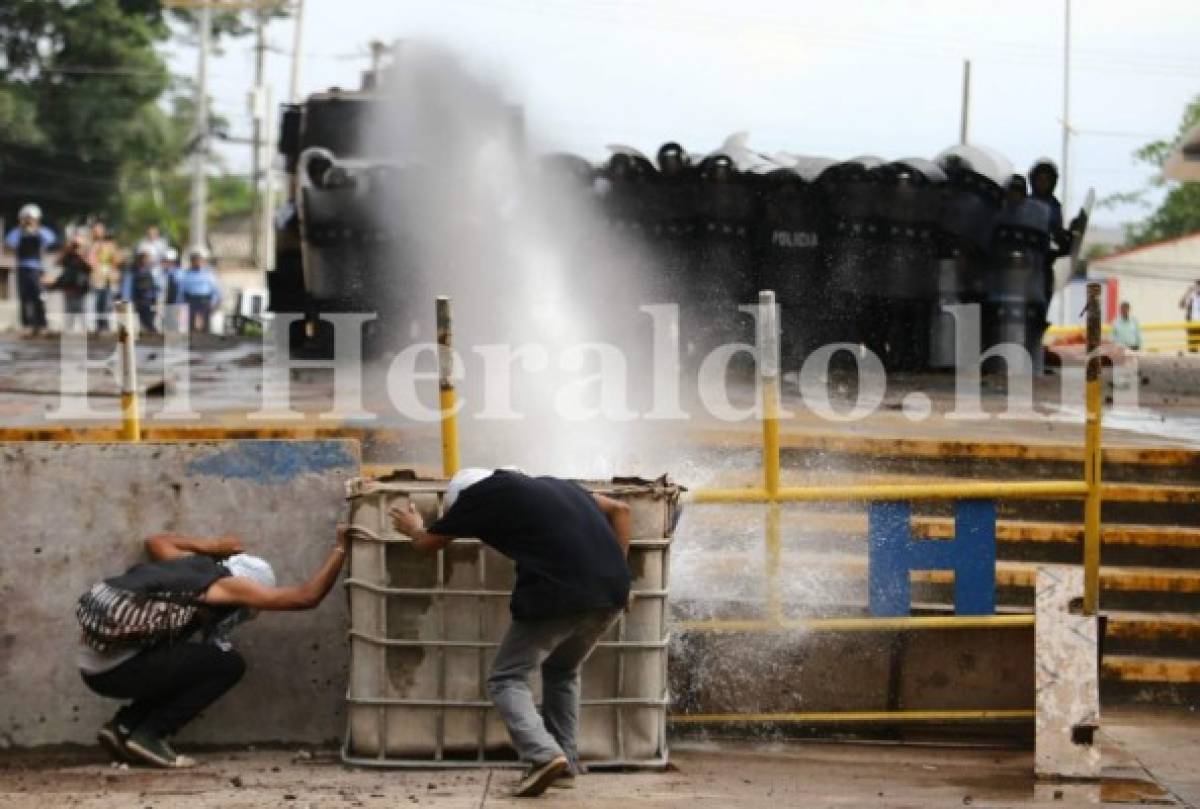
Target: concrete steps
1150 579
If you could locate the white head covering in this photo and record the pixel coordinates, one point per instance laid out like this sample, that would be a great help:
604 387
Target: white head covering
464 479
251 567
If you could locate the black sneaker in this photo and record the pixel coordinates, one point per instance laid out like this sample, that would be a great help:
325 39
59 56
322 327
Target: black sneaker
112 738
539 777
148 748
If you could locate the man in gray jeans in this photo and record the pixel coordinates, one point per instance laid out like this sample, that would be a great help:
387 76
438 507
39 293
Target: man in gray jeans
572 583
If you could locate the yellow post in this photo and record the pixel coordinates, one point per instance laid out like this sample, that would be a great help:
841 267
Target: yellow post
768 373
1092 458
447 400
131 423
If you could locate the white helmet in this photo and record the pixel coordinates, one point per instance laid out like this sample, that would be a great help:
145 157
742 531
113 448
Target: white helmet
172 254
464 479
30 211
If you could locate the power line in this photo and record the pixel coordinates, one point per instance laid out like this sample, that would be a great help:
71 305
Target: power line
910 45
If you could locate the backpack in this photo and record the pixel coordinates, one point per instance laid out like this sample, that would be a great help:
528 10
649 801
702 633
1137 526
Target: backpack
151 603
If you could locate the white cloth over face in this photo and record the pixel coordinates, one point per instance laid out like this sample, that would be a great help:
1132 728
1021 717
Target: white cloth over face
250 567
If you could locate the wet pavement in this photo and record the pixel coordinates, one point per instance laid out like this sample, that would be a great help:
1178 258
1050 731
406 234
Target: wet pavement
1149 760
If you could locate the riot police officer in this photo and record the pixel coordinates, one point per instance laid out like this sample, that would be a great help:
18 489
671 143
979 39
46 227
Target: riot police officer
1043 179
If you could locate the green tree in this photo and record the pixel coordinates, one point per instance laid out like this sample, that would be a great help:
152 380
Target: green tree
1179 212
88 122
79 94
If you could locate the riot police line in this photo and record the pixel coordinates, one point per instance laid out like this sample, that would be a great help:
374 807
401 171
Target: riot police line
863 251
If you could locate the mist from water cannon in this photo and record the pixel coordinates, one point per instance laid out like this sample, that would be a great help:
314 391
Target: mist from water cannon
524 257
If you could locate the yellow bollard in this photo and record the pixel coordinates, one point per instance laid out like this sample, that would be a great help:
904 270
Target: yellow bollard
447 400
131 426
1092 458
768 375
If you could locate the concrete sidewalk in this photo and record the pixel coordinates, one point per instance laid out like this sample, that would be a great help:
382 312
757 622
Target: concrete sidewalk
1150 759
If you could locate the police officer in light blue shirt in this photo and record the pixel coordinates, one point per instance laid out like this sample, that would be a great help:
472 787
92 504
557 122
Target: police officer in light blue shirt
29 240
200 290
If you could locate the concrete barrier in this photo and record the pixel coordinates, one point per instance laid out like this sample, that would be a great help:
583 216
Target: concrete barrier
75 513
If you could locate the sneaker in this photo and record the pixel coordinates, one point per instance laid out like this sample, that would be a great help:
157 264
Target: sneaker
148 748
564 781
112 738
539 777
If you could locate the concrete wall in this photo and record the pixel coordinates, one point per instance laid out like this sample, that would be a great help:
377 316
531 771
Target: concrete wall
75 513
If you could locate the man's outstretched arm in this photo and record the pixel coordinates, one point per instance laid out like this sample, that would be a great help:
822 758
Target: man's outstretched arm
243 592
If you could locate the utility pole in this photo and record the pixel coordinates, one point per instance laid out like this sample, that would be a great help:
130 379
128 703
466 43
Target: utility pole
258 110
297 44
1064 171
198 215
964 126
266 218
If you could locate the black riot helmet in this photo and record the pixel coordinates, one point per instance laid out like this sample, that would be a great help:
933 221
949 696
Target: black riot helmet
1044 172
672 161
620 167
1015 190
718 168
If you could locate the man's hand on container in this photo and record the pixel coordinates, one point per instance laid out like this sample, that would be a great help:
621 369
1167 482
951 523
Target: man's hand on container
406 520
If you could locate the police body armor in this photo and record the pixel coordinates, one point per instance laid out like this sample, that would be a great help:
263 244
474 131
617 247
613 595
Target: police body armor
670 217
722 274
911 193
1016 287
971 203
850 245
145 292
29 247
628 212
789 259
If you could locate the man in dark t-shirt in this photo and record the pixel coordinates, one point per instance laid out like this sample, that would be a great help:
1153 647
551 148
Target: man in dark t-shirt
572 582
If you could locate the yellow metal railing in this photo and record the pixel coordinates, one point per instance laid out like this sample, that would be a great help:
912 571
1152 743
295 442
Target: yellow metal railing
772 494
1159 337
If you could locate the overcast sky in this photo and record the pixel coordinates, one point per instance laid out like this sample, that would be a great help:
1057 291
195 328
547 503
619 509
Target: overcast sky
826 78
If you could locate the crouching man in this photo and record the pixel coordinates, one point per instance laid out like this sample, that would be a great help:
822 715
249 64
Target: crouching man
158 635
572 584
